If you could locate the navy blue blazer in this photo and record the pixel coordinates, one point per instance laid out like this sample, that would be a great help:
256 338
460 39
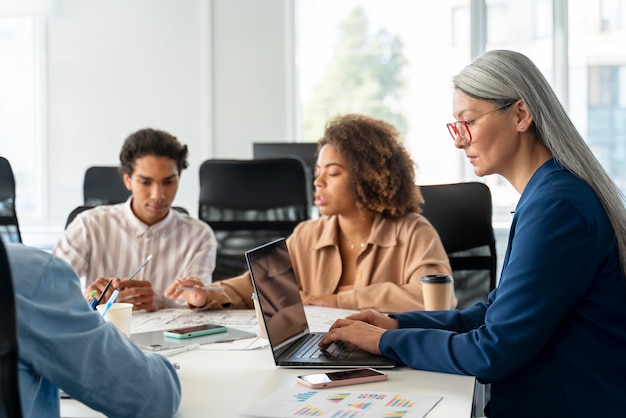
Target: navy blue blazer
551 338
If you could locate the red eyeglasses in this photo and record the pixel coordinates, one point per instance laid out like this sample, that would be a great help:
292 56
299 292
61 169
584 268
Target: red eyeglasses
461 129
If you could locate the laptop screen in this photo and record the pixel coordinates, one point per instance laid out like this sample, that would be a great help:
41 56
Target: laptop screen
277 291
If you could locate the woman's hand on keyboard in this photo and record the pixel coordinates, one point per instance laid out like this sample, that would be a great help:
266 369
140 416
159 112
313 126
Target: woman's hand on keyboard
375 318
362 329
361 334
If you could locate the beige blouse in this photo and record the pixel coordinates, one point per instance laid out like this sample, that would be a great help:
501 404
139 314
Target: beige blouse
397 254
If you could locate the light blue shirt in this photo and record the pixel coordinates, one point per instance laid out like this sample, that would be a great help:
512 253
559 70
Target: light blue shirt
64 344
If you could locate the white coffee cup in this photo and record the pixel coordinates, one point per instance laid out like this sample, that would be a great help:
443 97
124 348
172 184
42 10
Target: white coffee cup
120 314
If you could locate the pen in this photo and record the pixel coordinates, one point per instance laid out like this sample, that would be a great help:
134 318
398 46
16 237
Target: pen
182 350
103 293
200 287
116 292
134 273
110 302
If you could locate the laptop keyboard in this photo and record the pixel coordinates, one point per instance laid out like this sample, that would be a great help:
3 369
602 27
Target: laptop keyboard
310 350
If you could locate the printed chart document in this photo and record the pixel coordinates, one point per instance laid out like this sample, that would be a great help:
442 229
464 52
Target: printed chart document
337 402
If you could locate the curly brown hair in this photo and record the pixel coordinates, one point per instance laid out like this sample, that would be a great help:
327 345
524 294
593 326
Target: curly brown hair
381 169
152 142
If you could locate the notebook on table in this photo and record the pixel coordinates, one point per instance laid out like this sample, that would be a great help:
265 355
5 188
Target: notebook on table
292 343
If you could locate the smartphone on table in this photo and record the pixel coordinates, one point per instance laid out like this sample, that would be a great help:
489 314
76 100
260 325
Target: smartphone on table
340 378
194 331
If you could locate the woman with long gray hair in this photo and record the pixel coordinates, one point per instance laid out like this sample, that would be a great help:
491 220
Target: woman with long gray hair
551 337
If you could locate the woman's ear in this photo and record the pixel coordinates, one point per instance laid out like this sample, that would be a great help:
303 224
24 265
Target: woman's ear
523 119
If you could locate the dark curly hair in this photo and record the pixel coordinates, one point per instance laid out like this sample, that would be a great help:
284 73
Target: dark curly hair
152 142
381 169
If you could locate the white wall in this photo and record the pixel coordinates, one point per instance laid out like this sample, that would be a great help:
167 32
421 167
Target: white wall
216 74
114 67
252 74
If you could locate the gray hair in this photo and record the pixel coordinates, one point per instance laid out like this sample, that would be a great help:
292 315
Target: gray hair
504 77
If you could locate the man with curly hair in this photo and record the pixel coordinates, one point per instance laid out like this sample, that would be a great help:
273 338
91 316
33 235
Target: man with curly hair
110 241
371 246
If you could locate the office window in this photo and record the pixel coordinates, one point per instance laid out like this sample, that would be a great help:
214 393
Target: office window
461 26
598 61
607 118
392 60
352 62
427 43
612 15
21 110
498 24
434 39
542 22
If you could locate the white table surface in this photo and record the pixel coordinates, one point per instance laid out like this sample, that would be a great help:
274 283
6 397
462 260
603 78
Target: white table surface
227 383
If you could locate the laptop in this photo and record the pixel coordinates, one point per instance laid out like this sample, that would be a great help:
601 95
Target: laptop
293 345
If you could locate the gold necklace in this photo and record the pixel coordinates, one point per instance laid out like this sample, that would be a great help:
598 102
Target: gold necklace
362 244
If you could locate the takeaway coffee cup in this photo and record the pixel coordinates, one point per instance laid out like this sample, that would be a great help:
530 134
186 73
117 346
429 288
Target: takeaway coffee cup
438 290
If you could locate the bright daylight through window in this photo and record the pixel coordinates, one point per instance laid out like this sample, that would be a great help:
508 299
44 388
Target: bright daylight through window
395 60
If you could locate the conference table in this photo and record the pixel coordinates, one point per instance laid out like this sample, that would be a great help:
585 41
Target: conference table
230 379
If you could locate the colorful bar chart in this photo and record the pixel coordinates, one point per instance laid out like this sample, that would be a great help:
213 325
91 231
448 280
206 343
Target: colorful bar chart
399 402
309 411
396 414
361 405
337 397
346 414
305 396
339 403
372 396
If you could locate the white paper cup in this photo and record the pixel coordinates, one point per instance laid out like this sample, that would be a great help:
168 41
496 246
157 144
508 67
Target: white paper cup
120 314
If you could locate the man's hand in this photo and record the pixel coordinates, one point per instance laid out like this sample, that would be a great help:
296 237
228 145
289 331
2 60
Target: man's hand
137 292
99 286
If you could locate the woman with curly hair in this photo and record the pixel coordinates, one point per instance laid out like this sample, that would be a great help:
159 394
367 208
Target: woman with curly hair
370 247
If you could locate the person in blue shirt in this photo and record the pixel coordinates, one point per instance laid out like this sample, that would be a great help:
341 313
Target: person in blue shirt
63 343
551 338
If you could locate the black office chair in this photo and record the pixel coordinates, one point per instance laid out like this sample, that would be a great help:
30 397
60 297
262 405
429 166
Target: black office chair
10 406
250 202
83 208
462 215
103 185
307 151
9 227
